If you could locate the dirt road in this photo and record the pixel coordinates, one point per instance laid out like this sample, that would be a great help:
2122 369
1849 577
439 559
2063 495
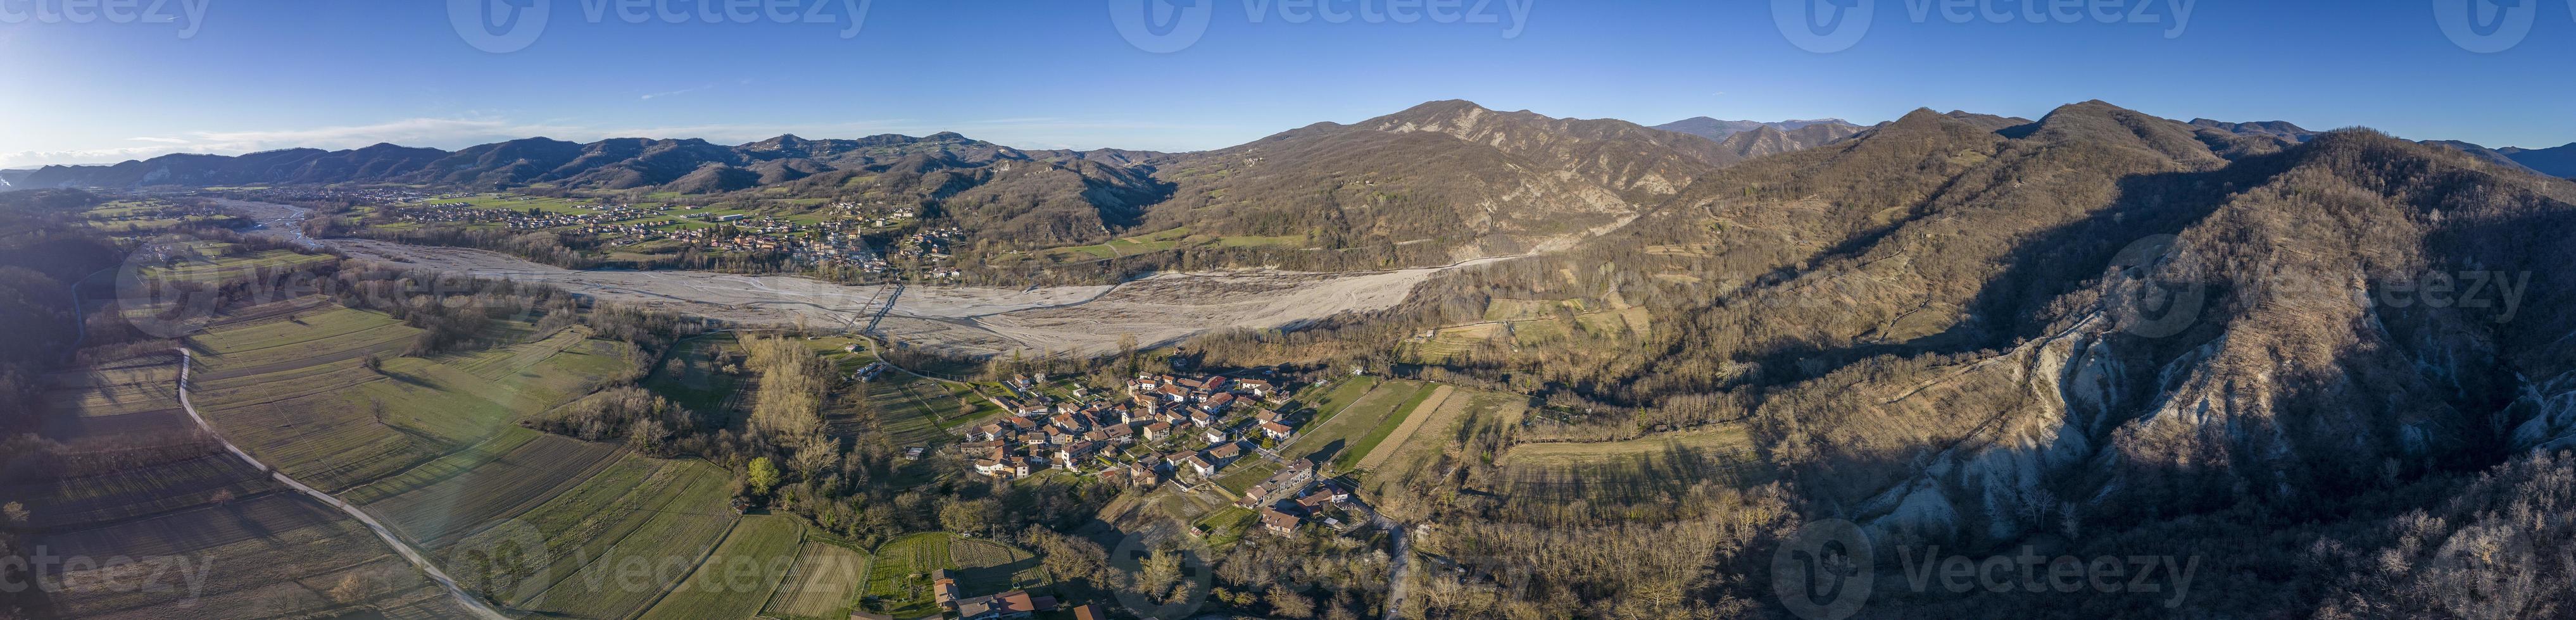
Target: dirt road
419 561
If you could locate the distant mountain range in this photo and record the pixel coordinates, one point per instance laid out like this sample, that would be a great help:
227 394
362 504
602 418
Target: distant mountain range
1715 129
2556 162
1463 179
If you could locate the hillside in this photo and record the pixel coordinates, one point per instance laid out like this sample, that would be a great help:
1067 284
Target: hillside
1715 129
2557 162
2102 323
1451 174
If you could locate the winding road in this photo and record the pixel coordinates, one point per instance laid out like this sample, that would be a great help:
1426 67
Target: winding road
418 560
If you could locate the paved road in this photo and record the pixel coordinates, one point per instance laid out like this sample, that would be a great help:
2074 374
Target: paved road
475 605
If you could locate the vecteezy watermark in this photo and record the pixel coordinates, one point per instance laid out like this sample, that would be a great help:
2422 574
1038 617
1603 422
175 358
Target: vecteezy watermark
1827 572
2028 572
188 15
1166 26
2148 306
2489 26
1824 572
1829 26
505 26
42 571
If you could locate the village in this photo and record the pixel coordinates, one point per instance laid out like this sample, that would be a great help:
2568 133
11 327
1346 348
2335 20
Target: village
1163 429
653 227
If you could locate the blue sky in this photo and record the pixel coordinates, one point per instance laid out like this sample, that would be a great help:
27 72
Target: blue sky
255 75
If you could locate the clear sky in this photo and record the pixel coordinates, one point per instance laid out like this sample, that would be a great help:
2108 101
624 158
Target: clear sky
263 74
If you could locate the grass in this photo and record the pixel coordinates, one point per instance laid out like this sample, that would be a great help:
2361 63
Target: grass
1636 470
899 577
670 518
915 411
460 493
736 580
214 269
1247 473
1338 433
1368 443
1228 525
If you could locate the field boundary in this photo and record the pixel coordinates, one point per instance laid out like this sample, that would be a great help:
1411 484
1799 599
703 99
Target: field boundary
187 358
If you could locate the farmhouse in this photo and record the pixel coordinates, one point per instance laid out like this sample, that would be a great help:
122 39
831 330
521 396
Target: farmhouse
1012 604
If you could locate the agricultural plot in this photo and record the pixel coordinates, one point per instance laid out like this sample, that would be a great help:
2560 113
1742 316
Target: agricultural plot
114 391
1643 469
138 491
269 555
899 577
442 500
654 516
987 567
736 580
1337 433
1430 432
824 584
1443 403
1401 415
213 269
327 420
296 341
915 411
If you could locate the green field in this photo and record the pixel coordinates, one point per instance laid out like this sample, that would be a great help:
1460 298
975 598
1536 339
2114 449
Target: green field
1339 431
1228 525
899 579
899 576
735 581
824 584
1369 442
295 392
916 411
640 512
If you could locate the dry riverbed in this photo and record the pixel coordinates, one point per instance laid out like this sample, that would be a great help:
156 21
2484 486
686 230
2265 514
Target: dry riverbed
1087 319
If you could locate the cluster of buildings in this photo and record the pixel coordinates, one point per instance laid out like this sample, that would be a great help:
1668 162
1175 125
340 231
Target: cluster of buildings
348 196
1293 496
879 214
600 220
926 249
1164 426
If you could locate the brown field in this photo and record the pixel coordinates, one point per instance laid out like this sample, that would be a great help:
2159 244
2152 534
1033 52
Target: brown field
1630 471
138 491
272 554
1440 410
